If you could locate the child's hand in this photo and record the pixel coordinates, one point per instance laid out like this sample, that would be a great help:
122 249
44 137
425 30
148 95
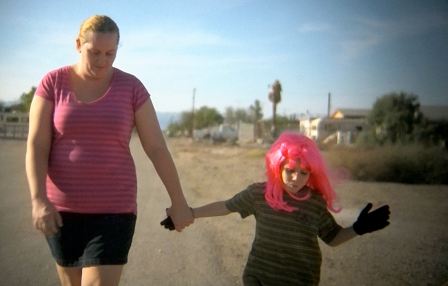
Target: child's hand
370 222
168 223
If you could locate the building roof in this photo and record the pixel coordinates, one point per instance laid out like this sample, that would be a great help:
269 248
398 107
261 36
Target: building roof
349 113
435 113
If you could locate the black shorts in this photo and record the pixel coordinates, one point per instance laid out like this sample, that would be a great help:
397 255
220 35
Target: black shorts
93 239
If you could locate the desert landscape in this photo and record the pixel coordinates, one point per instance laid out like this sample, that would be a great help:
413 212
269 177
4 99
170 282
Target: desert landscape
413 250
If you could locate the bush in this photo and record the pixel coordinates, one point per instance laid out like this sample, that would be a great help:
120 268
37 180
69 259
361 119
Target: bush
403 164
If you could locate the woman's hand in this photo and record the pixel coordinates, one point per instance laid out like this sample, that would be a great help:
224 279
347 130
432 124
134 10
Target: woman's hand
46 218
181 215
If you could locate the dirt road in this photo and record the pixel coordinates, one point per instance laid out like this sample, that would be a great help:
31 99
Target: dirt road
412 251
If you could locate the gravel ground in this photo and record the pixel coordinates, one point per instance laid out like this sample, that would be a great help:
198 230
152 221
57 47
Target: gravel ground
413 250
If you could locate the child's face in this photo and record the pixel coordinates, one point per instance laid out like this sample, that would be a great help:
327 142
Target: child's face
294 179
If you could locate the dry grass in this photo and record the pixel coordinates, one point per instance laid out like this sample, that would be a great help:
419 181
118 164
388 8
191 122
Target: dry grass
409 164
256 153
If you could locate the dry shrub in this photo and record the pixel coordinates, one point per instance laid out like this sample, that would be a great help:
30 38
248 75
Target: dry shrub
256 153
403 164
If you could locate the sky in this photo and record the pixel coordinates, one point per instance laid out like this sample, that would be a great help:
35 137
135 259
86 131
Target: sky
221 54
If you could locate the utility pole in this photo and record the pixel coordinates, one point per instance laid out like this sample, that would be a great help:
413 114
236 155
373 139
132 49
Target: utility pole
329 105
193 120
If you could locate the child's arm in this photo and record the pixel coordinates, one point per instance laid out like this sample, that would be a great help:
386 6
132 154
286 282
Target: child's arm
213 209
367 222
343 235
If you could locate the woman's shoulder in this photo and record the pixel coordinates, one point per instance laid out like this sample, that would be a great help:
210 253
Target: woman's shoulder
65 70
55 78
124 75
124 78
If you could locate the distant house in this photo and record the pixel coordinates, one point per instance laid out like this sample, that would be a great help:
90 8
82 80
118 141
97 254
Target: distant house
435 113
342 126
350 113
305 126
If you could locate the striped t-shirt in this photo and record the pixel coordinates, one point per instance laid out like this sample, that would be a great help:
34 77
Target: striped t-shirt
285 250
91 169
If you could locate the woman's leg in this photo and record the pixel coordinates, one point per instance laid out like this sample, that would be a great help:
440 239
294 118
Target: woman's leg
69 276
107 275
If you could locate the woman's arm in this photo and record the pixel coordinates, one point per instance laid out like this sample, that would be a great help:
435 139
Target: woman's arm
45 216
343 235
213 209
155 147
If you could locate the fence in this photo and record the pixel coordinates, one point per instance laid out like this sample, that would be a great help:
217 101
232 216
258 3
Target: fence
14 131
13 125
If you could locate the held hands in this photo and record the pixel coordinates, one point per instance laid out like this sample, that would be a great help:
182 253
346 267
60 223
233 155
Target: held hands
45 217
178 221
373 221
168 224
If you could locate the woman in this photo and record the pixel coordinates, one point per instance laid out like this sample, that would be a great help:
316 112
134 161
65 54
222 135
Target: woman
80 171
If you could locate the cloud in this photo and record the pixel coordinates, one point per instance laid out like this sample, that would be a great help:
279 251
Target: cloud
405 26
174 51
314 27
162 38
352 49
371 33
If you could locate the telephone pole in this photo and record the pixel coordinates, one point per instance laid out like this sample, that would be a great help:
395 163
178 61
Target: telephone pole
193 120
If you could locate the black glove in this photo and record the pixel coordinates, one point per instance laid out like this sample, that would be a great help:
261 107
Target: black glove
370 222
168 224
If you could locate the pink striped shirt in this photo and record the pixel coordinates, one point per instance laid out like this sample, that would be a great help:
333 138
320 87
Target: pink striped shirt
91 169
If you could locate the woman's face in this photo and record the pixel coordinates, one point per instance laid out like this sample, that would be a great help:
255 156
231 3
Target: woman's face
294 179
98 53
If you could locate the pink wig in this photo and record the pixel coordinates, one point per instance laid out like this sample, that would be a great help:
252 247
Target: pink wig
294 146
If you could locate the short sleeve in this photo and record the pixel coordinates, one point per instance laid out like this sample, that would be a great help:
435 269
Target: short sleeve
140 94
46 87
328 228
243 203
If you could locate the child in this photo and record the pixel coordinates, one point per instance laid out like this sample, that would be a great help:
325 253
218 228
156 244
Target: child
291 210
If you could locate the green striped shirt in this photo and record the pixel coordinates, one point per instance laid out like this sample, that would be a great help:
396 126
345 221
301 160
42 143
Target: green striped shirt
285 250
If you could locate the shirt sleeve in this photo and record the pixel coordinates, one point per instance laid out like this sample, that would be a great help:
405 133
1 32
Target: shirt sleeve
243 203
140 94
328 228
46 87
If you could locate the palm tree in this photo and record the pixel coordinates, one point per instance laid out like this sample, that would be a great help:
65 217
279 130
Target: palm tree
275 97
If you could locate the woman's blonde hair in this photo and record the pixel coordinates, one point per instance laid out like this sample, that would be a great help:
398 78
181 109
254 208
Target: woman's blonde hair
97 23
